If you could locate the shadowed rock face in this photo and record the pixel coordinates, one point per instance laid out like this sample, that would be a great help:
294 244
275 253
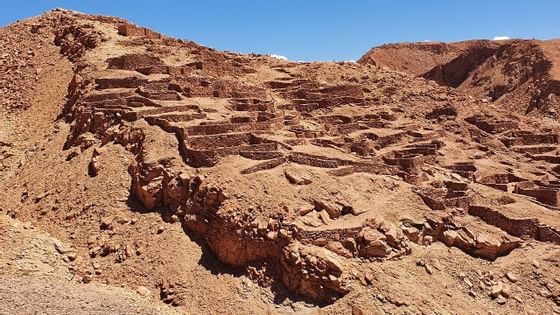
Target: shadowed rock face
324 180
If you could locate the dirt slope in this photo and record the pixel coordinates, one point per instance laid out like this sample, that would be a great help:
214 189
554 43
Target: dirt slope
36 278
226 183
519 75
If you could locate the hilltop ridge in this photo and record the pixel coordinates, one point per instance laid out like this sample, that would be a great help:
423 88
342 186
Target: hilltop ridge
519 75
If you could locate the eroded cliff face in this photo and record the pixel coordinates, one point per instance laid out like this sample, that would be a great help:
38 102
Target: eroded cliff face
519 75
309 177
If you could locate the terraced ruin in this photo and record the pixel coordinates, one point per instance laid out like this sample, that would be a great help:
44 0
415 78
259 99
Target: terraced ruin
328 187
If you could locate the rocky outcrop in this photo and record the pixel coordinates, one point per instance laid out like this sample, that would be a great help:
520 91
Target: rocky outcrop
314 272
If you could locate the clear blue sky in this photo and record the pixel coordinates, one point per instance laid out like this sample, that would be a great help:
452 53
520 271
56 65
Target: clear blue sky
318 29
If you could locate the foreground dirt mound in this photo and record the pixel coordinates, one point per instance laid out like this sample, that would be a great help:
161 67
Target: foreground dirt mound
36 278
520 75
229 183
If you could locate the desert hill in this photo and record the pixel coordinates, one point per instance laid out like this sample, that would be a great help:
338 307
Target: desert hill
519 75
221 183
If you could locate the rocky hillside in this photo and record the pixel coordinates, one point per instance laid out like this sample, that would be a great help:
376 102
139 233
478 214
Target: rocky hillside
226 183
519 75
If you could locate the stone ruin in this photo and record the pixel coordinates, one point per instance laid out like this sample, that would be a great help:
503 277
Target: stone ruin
302 125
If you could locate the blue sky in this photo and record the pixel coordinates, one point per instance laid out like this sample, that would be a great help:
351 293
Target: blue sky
318 29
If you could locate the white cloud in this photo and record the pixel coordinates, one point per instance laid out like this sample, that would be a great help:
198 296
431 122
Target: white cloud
501 38
426 41
280 57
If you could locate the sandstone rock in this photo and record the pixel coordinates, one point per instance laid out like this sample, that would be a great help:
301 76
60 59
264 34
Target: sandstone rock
331 210
496 290
357 310
283 233
339 249
107 223
511 277
62 249
376 248
320 241
143 291
500 290
506 291
324 216
271 235
429 269
412 233
305 210
427 240
93 167
369 277
72 256
435 262
313 271
296 178
87 278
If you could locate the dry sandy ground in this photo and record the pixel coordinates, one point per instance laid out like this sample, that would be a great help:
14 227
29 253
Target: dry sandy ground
35 279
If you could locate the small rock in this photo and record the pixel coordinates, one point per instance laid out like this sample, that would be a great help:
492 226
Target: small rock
87 278
283 233
122 220
357 310
506 291
496 290
272 235
174 218
427 240
412 233
501 300
305 210
437 264
429 269
536 264
61 249
511 277
296 179
143 291
160 229
72 256
320 241
369 277
107 223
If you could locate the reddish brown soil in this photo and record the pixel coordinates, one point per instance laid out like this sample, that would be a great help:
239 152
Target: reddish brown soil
223 183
